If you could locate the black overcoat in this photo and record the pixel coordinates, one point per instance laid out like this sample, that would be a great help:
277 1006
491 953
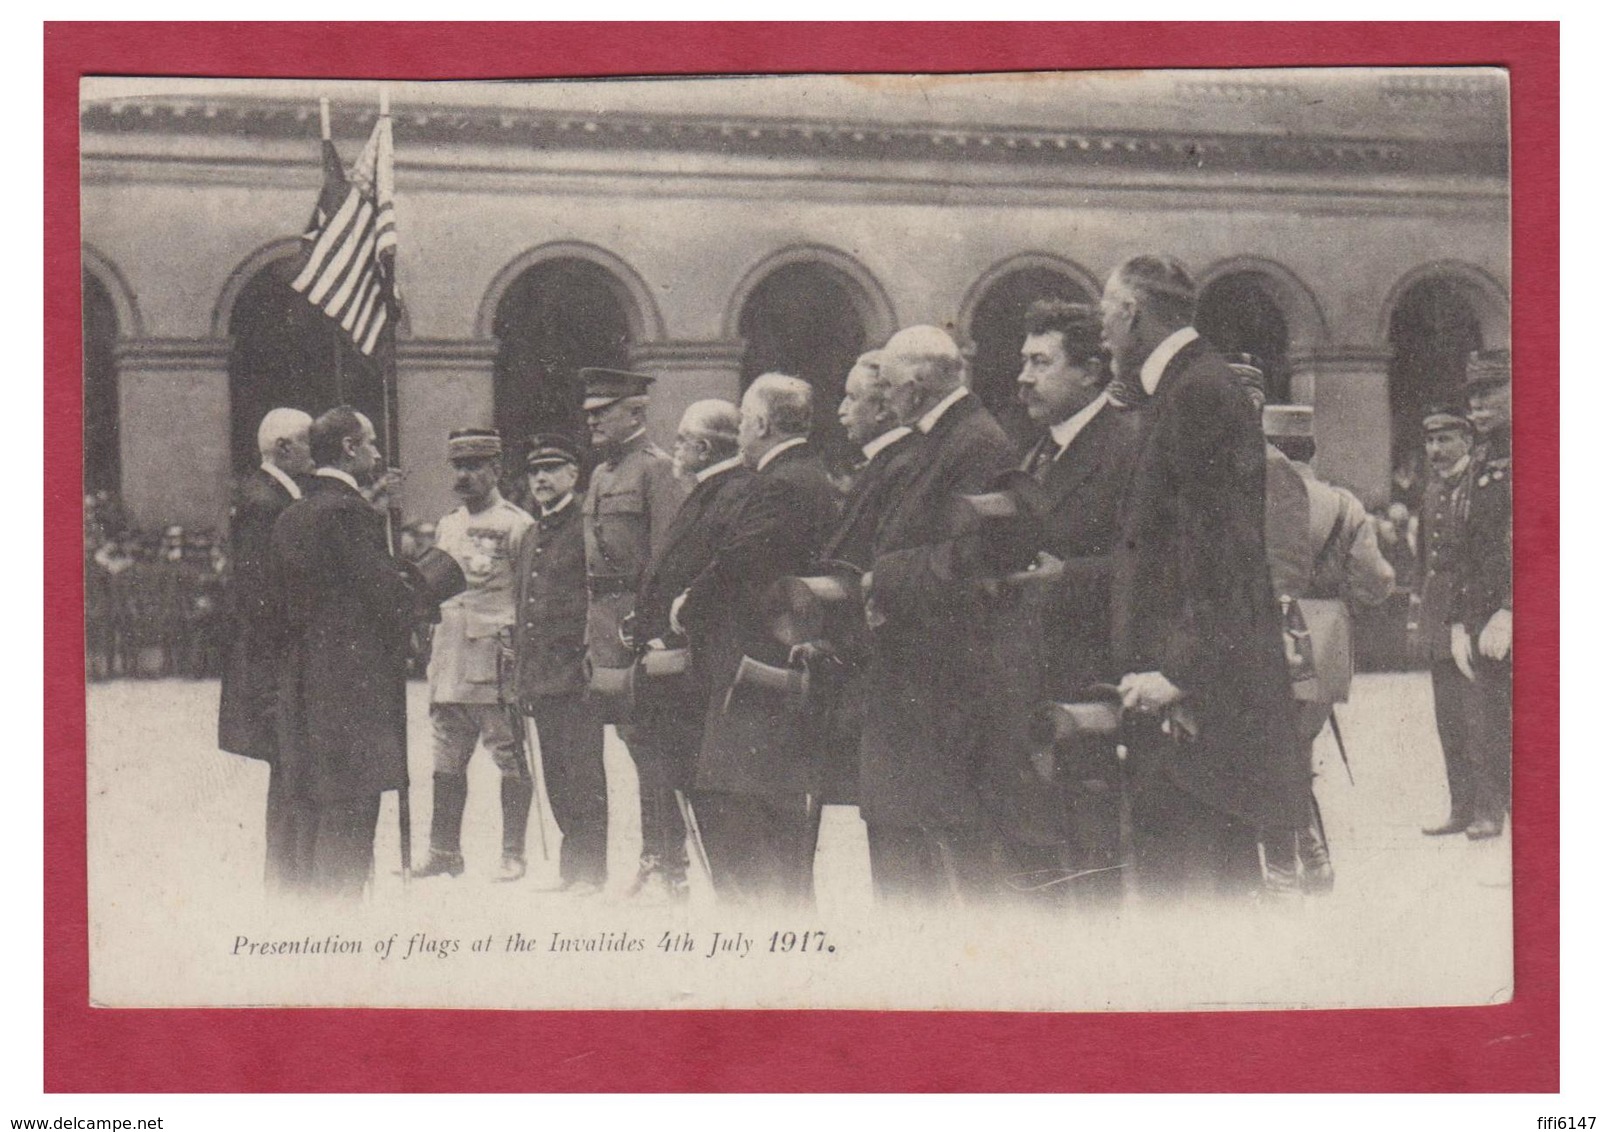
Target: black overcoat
1191 595
946 707
877 485
757 747
342 677
246 704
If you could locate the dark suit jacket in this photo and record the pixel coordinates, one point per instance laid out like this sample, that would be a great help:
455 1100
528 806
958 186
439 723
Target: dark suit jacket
1191 595
246 704
549 633
342 678
1085 487
877 485
701 526
946 709
758 746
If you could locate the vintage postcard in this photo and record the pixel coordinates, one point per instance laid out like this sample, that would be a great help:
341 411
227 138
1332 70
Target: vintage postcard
1024 542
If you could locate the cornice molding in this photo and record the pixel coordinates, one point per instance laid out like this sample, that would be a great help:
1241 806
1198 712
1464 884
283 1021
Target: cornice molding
746 136
171 355
670 356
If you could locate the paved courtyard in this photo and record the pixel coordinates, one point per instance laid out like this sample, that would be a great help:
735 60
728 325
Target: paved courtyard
176 846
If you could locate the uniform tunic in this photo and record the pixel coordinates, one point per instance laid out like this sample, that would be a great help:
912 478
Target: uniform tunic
464 658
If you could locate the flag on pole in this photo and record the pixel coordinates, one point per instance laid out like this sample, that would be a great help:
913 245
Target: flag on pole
350 269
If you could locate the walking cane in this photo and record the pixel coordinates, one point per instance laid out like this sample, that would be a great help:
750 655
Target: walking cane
516 722
1339 740
689 817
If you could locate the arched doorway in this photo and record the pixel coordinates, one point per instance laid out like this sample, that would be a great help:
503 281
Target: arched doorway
803 319
102 444
283 351
1238 314
555 318
1432 330
996 332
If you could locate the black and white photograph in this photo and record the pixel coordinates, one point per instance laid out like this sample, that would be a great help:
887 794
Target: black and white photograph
991 542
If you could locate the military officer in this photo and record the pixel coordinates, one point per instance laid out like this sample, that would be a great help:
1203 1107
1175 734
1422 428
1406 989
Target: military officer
1448 440
1481 613
550 647
471 697
633 496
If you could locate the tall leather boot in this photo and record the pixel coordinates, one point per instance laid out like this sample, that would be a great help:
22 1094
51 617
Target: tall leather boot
446 827
517 794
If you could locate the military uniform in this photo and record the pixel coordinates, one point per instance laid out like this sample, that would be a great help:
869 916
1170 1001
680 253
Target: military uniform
633 496
470 699
1483 588
1441 530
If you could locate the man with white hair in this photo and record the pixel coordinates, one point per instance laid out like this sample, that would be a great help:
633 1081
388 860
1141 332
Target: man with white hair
936 774
246 716
753 770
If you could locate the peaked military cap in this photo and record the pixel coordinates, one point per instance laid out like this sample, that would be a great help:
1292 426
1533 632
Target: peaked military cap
473 444
549 450
605 386
1438 417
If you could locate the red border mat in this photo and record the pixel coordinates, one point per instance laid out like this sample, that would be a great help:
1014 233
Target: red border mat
1510 1048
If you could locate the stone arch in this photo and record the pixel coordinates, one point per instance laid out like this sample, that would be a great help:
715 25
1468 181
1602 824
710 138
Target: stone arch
1024 261
1302 313
129 322
247 270
1483 292
641 311
869 297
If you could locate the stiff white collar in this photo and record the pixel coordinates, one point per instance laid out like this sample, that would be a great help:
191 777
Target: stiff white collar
715 469
891 436
930 418
285 481
778 450
337 474
1155 365
559 506
1066 431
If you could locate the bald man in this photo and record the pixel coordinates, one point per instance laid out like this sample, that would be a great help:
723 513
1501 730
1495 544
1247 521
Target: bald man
246 721
941 709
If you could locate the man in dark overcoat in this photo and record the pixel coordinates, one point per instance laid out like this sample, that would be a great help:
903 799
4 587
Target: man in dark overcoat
247 704
1084 459
753 769
945 716
669 711
549 665
342 676
1194 624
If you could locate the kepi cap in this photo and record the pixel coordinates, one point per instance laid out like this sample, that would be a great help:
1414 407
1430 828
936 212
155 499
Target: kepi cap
1439 417
549 451
605 386
473 444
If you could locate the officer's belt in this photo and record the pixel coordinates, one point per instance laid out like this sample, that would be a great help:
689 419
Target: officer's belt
605 586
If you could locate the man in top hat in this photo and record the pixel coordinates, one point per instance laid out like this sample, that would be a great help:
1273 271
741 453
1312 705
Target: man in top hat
1084 458
941 710
471 697
1448 441
247 702
1481 612
633 496
1321 544
1194 624
342 704
753 768
669 712
550 650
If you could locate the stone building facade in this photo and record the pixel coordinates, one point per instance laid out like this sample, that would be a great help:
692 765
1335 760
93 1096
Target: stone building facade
1352 228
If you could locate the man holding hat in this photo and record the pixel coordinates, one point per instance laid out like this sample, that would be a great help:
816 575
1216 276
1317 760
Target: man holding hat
1481 614
550 653
469 701
633 496
1448 440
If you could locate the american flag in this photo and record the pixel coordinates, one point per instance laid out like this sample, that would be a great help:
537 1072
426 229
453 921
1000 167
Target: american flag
350 270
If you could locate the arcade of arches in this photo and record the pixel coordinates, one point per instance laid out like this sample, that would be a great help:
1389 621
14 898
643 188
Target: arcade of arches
804 317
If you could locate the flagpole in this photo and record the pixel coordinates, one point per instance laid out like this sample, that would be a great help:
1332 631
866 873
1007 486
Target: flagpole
324 134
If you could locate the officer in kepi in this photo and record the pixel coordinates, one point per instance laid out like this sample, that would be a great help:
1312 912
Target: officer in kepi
633 496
